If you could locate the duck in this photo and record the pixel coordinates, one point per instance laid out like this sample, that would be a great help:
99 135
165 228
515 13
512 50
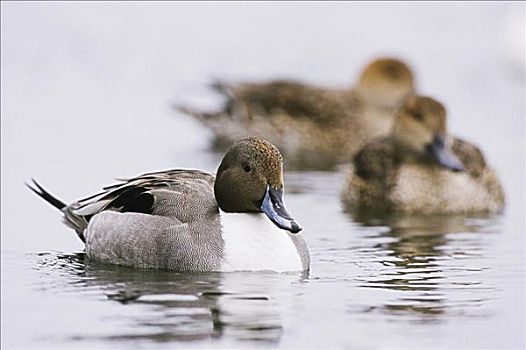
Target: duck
419 168
314 127
190 220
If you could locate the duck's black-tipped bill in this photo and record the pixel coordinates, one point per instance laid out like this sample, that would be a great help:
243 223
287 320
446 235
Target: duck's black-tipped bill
274 208
443 156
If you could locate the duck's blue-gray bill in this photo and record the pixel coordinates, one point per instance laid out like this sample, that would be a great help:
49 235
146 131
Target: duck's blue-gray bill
274 208
443 156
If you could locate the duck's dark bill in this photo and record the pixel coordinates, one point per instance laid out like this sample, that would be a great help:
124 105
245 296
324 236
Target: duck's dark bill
273 207
444 156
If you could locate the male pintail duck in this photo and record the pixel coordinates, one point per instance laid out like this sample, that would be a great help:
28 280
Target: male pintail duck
418 169
188 220
314 127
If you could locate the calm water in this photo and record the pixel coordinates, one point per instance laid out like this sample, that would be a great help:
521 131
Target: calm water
397 282
86 94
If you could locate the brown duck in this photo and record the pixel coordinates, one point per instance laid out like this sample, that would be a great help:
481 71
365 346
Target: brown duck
313 127
420 169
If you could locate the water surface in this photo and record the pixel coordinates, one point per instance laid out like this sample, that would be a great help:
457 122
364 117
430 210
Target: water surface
375 282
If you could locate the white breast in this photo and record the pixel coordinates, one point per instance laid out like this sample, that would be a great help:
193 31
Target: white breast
253 242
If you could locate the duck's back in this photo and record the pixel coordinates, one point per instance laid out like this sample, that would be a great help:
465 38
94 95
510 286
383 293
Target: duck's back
297 100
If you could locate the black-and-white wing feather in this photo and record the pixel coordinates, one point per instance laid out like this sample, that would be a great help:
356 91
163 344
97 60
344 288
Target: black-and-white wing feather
141 194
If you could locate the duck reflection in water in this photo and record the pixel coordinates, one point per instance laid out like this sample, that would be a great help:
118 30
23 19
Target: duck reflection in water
181 306
421 262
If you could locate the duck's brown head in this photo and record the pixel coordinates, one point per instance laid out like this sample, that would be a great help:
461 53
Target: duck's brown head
250 180
386 83
420 129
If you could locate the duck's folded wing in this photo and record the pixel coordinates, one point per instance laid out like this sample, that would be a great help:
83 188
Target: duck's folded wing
297 100
175 194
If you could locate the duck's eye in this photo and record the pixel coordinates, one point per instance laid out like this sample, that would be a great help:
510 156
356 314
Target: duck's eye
247 168
418 116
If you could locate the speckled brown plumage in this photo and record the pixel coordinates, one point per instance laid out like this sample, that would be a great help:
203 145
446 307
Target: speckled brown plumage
313 127
373 175
249 166
397 174
265 155
375 183
322 106
471 156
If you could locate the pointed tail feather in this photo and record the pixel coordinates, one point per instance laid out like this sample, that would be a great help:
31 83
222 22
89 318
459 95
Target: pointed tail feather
218 86
76 222
191 112
222 88
41 192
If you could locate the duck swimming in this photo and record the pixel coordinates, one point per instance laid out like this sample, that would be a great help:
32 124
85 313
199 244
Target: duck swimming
188 220
419 169
314 127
